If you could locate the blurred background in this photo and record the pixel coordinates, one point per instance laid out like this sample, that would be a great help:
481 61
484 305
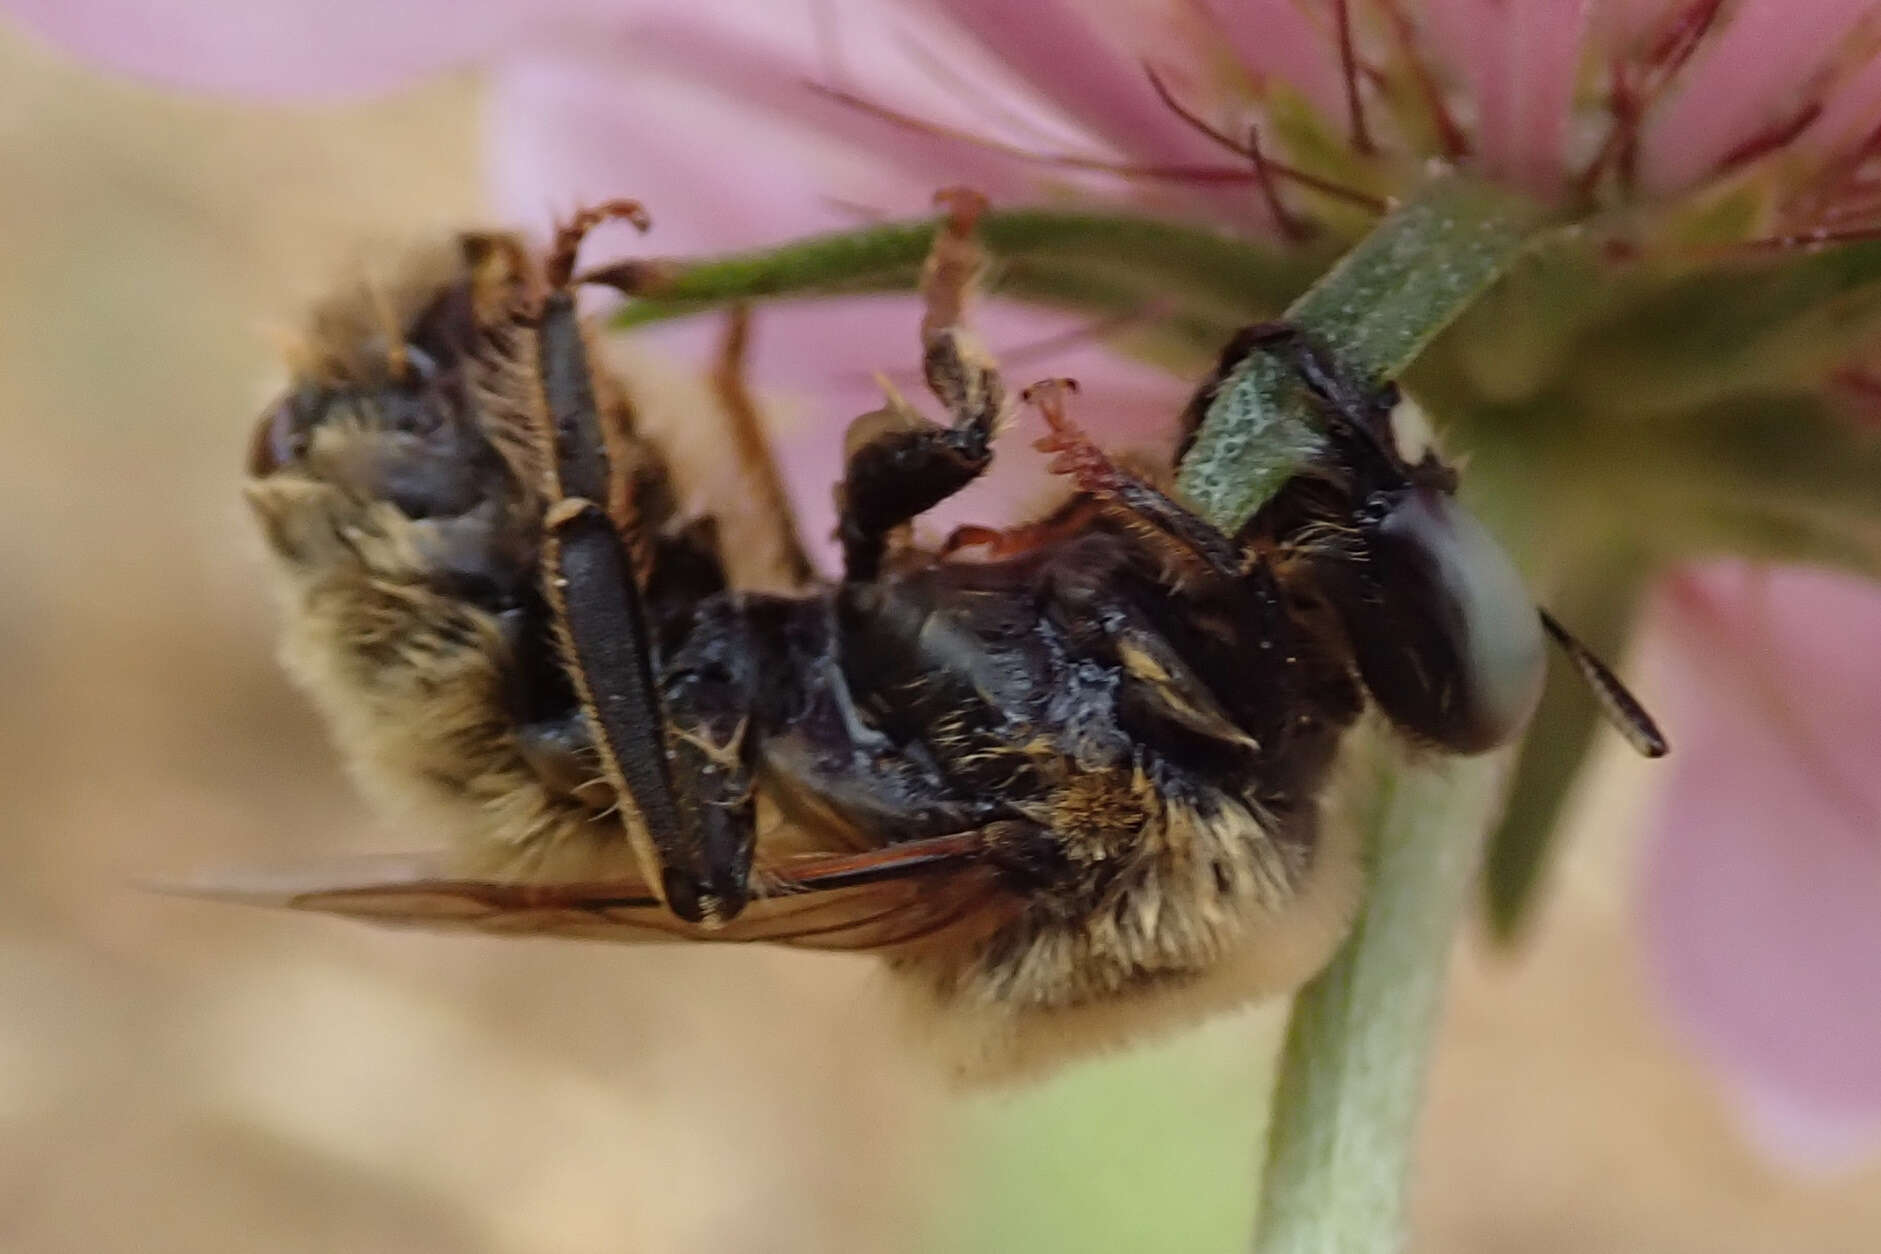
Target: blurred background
183 1077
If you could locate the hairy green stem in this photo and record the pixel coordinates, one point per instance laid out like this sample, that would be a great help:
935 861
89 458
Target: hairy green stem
1375 310
1351 1074
1347 1097
1106 262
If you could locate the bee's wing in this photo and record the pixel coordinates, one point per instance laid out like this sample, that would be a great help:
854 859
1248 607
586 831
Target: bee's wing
882 899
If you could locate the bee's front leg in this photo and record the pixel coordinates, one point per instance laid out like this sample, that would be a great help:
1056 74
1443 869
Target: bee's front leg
899 464
1182 537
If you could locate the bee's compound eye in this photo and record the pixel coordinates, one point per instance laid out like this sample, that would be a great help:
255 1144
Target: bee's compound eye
1456 655
280 438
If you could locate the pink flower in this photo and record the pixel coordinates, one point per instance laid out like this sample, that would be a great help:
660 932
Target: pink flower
1765 880
1764 894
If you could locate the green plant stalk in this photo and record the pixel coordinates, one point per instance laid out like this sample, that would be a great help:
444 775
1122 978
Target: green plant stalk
1351 1074
1352 1071
1407 280
1133 259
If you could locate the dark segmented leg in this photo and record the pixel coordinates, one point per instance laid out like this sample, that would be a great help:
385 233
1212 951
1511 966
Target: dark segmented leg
756 457
597 603
707 688
899 464
1187 541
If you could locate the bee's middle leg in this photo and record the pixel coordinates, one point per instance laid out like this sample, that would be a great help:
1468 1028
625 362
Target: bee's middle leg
708 688
899 465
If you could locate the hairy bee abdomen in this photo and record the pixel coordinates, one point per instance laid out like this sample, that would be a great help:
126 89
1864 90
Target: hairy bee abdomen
1216 909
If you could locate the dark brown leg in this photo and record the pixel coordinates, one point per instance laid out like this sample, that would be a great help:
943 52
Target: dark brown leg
755 455
1069 518
598 607
1188 542
899 464
708 687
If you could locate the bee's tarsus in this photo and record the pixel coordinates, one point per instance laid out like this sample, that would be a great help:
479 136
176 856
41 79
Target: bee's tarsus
899 465
1183 538
753 447
964 207
558 267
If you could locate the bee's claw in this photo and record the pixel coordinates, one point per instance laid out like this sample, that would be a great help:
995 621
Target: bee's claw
559 267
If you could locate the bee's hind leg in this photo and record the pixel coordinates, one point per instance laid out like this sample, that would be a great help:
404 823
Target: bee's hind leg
899 464
596 603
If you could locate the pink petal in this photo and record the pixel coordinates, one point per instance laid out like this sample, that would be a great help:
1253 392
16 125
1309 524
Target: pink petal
778 86
973 122
563 131
1620 25
1519 59
1274 39
1750 77
1080 58
1852 114
1813 1141
294 49
1763 889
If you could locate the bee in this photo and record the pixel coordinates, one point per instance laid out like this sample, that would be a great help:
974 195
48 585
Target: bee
1057 775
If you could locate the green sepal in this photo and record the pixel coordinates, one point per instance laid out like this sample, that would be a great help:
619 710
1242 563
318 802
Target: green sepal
1778 476
1769 322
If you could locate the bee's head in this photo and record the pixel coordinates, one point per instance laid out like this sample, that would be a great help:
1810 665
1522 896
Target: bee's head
1445 634
379 453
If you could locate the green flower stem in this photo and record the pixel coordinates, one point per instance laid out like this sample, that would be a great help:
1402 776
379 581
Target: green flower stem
1351 1074
1418 269
1101 262
1346 1102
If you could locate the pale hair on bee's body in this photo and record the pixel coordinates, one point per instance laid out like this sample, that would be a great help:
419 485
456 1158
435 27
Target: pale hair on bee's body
1070 778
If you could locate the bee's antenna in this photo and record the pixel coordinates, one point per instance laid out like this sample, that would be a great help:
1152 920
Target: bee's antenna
1622 708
